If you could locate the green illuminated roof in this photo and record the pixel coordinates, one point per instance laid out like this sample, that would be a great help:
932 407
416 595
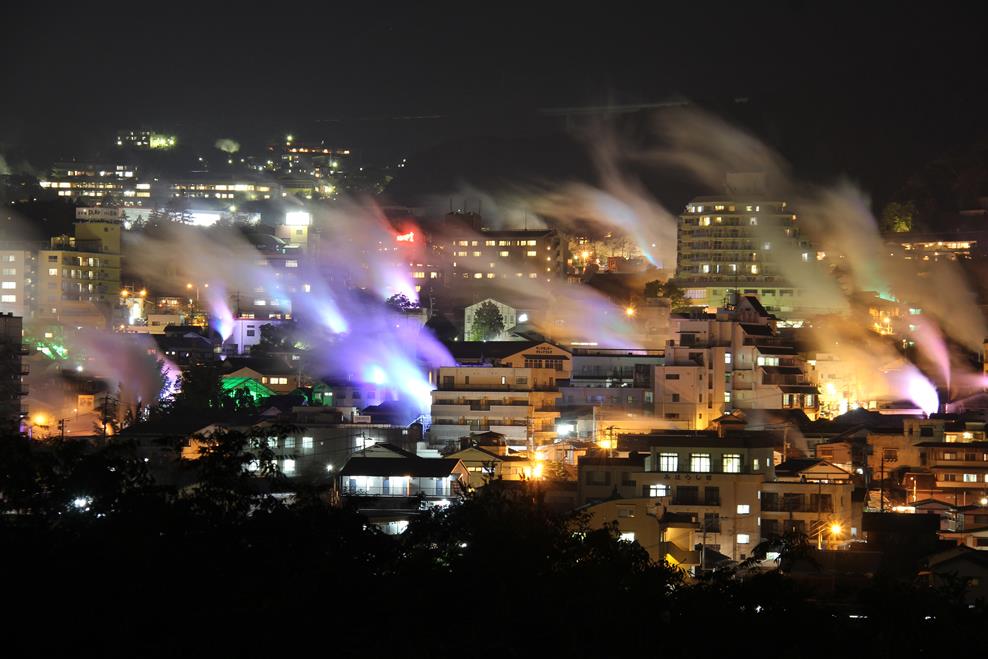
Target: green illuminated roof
256 389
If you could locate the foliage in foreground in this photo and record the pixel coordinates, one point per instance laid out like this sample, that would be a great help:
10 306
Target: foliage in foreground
93 545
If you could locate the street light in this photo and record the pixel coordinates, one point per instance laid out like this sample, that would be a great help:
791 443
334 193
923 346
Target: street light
629 312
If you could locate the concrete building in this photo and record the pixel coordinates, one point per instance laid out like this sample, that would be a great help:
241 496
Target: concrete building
12 372
734 359
519 403
475 256
734 244
93 182
718 486
18 267
79 276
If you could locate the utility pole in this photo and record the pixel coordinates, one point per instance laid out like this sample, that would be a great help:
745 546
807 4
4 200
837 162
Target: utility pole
881 484
105 398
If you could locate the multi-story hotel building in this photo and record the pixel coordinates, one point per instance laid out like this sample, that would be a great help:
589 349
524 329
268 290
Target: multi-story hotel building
729 246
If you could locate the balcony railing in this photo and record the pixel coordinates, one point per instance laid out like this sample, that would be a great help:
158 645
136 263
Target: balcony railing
679 500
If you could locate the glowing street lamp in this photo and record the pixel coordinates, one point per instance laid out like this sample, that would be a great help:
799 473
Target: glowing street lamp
629 311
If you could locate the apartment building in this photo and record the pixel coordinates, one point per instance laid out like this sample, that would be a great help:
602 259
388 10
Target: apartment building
79 276
717 488
519 403
734 359
18 278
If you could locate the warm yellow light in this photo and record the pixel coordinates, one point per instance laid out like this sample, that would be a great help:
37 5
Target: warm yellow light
39 419
189 286
585 255
606 443
835 529
144 292
537 472
124 293
629 312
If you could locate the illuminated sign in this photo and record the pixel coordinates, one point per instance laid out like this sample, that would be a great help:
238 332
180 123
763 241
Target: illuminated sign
406 237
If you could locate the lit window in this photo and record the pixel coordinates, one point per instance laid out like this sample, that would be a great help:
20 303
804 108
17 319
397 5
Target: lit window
10 299
727 396
731 463
532 253
668 461
288 467
306 442
476 253
531 243
9 285
52 272
754 464
478 275
289 442
743 509
743 538
533 275
705 268
291 264
658 490
700 462
503 253
727 358
970 478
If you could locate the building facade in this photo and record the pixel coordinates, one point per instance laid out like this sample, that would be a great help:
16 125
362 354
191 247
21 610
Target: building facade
735 359
519 403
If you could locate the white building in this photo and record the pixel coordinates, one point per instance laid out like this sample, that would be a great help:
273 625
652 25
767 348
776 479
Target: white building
519 403
18 278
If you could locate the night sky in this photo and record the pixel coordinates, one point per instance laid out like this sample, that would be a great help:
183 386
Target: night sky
871 95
